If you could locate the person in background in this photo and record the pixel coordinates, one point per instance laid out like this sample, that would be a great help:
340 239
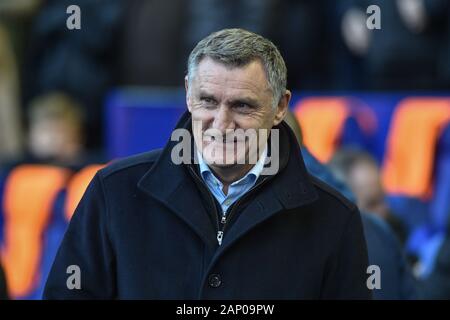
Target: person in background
437 284
397 280
360 172
409 51
143 24
56 130
10 124
205 16
15 25
78 62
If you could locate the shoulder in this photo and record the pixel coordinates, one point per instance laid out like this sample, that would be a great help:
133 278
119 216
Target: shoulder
376 228
328 194
130 164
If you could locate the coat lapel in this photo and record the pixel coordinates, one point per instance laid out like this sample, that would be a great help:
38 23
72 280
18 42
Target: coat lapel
172 185
290 188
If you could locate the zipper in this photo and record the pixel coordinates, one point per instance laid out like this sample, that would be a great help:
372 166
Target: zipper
223 221
227 216
221 226
219 237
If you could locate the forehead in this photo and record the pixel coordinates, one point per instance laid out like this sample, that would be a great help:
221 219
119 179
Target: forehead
215 76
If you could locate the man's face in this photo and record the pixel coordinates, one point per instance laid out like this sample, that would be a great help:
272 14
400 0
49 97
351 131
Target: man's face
223 100
365 183
53 139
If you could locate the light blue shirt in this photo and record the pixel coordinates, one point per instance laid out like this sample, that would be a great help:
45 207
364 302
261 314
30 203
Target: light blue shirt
235 190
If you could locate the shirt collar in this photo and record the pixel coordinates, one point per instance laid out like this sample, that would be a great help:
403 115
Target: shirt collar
253 174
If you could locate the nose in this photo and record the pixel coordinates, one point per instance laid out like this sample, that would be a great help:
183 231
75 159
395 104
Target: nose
223 119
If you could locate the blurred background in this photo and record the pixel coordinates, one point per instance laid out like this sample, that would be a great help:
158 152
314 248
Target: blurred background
373 108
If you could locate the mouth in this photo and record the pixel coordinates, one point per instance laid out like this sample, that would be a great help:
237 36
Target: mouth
224 140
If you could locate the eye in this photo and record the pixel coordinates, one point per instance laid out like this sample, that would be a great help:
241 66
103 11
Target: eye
243 107
208 102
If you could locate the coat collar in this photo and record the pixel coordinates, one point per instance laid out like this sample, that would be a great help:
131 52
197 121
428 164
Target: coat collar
174 187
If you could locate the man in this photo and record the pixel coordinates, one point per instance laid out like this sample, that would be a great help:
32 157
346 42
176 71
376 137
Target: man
56 130
360 172
152 227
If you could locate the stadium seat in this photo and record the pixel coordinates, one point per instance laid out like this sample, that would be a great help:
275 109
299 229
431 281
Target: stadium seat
29 195
329 122
64 207
416 173
139 120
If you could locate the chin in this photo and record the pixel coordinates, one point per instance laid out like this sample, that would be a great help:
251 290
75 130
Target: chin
219 161
222 166
215 156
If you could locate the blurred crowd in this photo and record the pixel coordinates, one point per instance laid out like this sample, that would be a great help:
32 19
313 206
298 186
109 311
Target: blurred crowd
325 43
53 81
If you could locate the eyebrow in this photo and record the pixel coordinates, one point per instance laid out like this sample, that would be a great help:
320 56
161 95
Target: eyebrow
247 100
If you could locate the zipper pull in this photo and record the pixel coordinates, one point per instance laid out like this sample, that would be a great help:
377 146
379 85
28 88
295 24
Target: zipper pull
224 219
219 237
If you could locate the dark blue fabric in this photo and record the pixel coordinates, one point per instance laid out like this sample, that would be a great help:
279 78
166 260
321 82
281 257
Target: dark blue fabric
383 247
143 230
437 284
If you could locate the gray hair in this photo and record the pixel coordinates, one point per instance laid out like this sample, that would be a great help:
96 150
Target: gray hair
237 48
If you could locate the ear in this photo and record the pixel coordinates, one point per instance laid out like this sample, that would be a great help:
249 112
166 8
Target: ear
282 108
188 98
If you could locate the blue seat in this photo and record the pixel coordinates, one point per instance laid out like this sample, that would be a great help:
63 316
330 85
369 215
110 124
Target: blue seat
28 213
426 239
52 238
139 120
440 204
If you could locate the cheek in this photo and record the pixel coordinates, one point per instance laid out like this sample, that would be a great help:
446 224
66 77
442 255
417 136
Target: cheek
201 114
252 119
200 124
256 121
